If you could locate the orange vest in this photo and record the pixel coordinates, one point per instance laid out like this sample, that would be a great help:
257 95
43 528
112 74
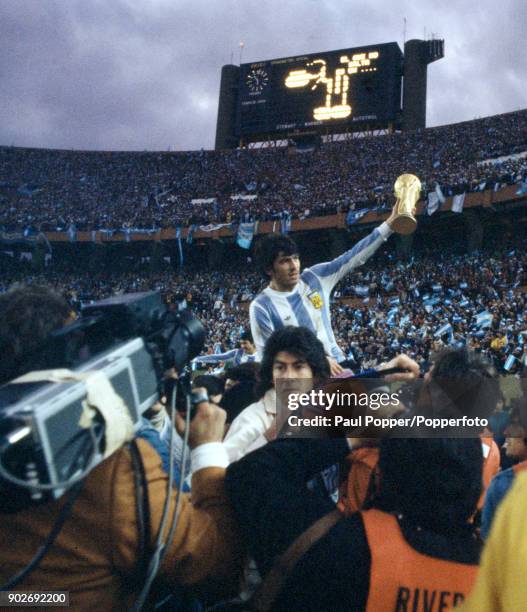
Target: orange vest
519 467
404 580
362 480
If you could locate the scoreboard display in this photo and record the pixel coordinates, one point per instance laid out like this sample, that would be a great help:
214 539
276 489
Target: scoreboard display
349 88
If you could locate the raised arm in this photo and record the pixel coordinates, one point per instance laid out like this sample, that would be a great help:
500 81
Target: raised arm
331 272
217 357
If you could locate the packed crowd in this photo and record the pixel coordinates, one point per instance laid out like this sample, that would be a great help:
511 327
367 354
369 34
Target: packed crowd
368 521
46 189
416 307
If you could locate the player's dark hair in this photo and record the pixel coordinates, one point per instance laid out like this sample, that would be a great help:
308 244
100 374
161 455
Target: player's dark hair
28 315
247 335
300 342
270 248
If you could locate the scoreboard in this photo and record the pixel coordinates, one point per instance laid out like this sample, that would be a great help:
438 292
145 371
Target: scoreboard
349 89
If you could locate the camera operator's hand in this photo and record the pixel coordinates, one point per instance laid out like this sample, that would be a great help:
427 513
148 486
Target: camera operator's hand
208 424
404 362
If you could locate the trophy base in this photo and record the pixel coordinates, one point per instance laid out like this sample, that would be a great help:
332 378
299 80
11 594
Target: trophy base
404 224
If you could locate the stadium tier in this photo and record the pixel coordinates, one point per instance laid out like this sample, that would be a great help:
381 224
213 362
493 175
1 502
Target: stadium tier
455 267
53 190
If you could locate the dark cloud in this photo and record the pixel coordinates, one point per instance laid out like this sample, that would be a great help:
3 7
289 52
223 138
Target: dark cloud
144 74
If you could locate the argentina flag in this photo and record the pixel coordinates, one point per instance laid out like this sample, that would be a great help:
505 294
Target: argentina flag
285 223
361 290
445 329
180 246
522 188
433 203
354 215
458 202
72 232
484 319
245 235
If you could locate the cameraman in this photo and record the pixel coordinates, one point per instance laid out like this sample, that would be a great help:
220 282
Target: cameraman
96 556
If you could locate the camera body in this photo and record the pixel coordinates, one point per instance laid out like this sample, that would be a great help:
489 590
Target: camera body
44 437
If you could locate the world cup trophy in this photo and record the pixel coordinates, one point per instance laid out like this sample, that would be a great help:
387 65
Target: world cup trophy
407 191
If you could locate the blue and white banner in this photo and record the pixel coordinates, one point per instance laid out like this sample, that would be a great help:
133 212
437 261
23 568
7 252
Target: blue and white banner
458 202
361 290
212 227
285 223
433 203
354 215
444 329
202 200
484 319
391 316
179 246
245 235
243 198
511 360
440 194
522 189
72 232
431 301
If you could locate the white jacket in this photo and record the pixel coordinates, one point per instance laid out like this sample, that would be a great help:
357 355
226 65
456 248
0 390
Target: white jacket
246 432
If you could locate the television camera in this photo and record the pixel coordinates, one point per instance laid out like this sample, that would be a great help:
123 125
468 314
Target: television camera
51 433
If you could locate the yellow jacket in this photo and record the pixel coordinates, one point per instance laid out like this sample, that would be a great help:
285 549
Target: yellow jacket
501 585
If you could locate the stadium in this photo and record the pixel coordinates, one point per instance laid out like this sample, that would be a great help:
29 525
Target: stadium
308 148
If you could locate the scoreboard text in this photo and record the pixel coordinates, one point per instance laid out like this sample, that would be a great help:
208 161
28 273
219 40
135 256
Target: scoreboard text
360 86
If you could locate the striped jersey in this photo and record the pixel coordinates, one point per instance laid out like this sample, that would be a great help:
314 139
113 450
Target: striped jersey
307 304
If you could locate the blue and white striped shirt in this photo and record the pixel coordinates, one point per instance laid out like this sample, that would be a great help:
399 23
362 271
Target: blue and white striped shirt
237 355
308 304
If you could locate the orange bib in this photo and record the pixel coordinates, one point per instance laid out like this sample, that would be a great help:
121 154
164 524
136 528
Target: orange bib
404 580
363 476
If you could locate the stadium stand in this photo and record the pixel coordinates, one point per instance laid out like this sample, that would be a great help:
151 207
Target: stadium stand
415 305
51 190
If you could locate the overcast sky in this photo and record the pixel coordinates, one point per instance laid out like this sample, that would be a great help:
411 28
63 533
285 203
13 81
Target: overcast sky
145 74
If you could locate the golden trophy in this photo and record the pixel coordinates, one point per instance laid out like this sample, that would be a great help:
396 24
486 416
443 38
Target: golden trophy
407 191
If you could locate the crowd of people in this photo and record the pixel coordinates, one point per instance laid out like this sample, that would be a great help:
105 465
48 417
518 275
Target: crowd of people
261 522
48 190
417 306
407 530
